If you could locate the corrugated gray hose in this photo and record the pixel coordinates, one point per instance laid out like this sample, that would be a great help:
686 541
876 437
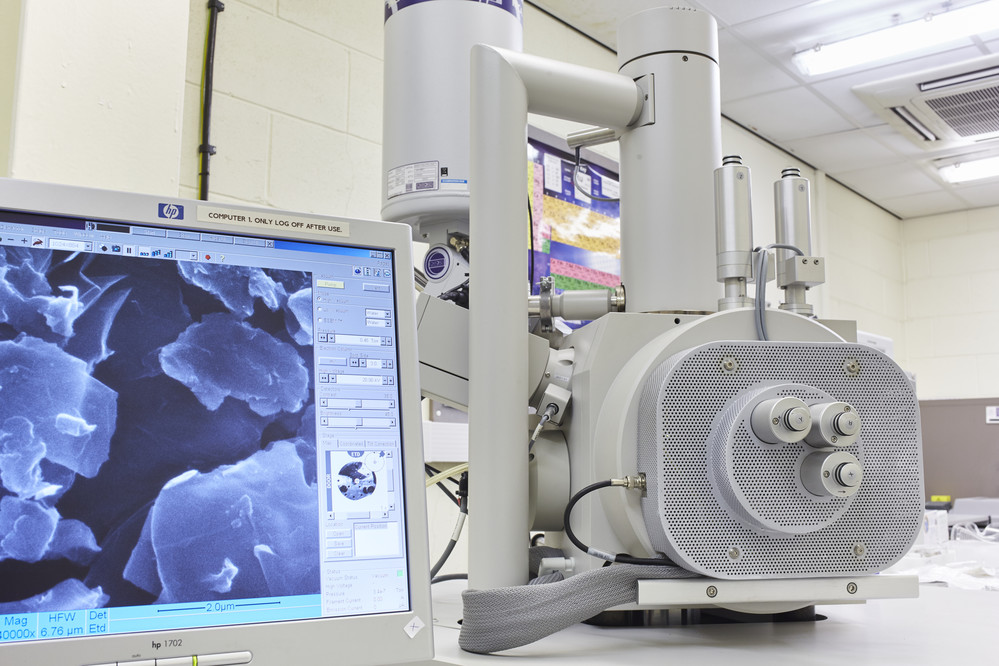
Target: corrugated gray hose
508 617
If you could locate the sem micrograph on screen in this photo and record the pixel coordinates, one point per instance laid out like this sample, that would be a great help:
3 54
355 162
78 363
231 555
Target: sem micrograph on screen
132 390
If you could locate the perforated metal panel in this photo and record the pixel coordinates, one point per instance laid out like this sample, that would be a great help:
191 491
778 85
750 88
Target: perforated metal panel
969 113
693 427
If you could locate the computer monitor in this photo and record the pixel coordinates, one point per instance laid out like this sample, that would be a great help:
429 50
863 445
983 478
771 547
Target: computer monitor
210 435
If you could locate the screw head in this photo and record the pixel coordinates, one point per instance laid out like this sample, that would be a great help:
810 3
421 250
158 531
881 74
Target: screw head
734 553
776 421
851 588
834 439
859 549
712 591
825 474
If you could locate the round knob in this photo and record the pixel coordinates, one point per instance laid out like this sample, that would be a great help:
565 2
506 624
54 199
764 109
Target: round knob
849 474
781 420
846 424
831 474
833 424
797 419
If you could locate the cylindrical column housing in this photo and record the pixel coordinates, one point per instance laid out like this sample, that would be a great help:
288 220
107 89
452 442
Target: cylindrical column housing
426 105
733 232
666 167
793 217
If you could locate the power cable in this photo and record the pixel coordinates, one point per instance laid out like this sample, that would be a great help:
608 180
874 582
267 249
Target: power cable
206 149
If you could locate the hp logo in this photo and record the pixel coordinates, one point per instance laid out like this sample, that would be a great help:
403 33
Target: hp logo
171 211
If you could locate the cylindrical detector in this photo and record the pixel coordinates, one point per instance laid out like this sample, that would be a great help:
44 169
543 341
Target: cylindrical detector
666 167
792 206
425 128
733 220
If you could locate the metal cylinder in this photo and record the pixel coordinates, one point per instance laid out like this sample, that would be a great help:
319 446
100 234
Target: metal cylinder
667 166
733 231
425 153
793 210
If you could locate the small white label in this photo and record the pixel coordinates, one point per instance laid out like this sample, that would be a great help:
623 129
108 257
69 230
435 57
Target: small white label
553 172
992 415
410 178
413 627
454 184
610 188
272 221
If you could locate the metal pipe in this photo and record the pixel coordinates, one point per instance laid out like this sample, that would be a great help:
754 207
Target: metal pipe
582 304
733 232
505 86
593 136
793 211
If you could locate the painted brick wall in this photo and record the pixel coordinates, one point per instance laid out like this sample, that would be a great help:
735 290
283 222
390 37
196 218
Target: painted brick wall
952 314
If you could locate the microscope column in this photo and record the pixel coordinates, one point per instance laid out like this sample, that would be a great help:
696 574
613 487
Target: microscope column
667 197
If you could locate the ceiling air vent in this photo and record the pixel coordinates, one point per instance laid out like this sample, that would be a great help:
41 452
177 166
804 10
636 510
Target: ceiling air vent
969 114
955 105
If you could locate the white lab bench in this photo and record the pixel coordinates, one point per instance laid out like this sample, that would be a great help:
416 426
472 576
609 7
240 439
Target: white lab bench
942 626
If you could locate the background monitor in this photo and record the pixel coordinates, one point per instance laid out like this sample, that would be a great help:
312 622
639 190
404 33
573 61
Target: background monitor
210 435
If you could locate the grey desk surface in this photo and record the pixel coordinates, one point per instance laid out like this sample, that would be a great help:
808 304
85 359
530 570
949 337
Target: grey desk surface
942 626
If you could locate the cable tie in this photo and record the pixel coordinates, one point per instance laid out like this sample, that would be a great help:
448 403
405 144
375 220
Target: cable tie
601 554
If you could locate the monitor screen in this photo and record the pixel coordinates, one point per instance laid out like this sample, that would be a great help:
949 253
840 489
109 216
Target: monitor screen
206 415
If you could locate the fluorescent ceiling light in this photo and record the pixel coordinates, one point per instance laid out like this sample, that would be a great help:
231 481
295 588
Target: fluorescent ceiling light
974 170
901 39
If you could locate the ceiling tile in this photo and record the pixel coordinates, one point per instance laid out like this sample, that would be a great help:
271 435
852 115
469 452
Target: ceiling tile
744 72
927 203
888 182
838 90
842 151
729 12
896 141
787 114
979 196
825 21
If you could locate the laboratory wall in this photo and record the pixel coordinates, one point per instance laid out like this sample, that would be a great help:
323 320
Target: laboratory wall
296 113
98 92
865 279
10 25
952 313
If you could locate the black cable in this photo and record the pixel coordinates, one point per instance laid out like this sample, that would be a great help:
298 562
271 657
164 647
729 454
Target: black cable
463 511
447 577
443 558
575 170
434 470
440 484
206 148
623 558
459 295
530 263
